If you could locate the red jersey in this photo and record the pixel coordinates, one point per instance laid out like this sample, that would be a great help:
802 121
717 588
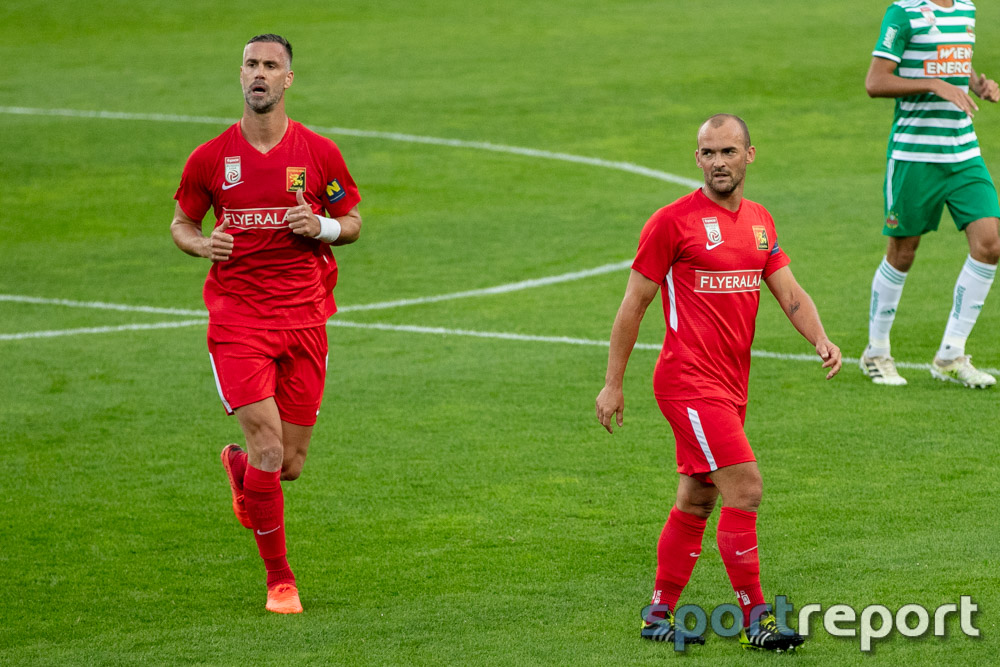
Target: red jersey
709 263
274 279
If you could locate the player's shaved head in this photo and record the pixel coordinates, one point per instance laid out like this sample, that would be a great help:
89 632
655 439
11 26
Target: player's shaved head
720 119
276 39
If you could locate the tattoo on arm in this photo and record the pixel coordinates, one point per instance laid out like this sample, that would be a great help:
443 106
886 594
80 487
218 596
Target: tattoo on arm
794 308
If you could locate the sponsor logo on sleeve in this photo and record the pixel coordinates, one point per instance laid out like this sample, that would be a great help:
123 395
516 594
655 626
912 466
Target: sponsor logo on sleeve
952 60
232 172
295 179
255 218
760 235
723 282
890 36
334 192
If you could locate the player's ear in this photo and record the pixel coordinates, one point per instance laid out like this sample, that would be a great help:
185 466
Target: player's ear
751 154
288 79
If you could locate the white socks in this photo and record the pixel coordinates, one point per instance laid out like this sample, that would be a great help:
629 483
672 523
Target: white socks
971 288
887 287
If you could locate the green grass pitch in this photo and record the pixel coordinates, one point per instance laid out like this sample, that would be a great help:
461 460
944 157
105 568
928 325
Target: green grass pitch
461 504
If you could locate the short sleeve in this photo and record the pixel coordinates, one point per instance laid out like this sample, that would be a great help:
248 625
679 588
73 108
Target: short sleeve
894 36
776 257
340 193
192 193
656 247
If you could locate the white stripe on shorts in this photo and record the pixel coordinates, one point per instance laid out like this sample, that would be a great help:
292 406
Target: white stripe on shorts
699 433
218 386
890 168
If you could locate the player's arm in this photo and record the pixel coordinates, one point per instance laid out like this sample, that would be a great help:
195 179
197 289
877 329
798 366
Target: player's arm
350 227
882 81
186 233
339 230
638 295
802 313
985 89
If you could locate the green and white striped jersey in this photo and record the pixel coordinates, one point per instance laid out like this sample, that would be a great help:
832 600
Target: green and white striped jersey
930 41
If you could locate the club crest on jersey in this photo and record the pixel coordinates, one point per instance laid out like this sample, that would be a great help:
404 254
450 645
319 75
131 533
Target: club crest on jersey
760 235
931 20
295 179
334 192
232 171
712 229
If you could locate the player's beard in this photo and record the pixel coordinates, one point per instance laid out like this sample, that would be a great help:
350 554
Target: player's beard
264 104
724 191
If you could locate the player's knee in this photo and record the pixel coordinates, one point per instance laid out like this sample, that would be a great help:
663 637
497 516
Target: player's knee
695 505
701 509
291 470
271 456
987 251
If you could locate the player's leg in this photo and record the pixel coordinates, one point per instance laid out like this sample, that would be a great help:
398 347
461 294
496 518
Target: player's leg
679 545
244 370
913 205
975 210
951 363
887 288
296 440
301 377
677 553
741 488
265 500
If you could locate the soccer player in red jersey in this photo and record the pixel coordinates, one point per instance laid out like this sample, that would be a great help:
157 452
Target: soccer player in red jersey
269 291
709 252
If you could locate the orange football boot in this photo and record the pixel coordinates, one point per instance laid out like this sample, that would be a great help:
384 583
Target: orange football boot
283 599
239 508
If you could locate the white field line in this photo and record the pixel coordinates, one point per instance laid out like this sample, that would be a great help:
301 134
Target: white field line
496 289
372 134
438 331
100 305
499 289
177 324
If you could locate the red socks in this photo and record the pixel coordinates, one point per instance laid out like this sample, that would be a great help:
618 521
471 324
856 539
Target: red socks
737 538
676 554
266 506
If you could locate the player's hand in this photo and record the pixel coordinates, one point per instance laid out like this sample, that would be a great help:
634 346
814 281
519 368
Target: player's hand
219 243
610 403
957 96
830 354
986 89
301 219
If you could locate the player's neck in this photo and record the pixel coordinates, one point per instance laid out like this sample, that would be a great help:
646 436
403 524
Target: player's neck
264 131
730 202
947 4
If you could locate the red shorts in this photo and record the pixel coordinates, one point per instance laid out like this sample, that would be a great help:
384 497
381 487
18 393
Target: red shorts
253 364
709 434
